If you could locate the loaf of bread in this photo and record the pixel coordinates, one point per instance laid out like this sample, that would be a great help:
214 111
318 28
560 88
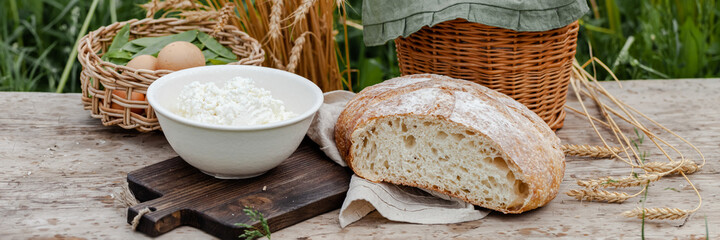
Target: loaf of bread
454 137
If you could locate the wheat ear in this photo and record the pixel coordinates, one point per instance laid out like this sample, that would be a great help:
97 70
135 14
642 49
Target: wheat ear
225 13
608 182
658 213
598 195
590 151
296 51
277 62
302 10
200 15
275 14
155 5
687 167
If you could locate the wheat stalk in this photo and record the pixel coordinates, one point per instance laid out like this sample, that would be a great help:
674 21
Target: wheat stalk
598 195
590 151
584 84
275 15
658 213
316 59
608 182
296 50
302 11
687 167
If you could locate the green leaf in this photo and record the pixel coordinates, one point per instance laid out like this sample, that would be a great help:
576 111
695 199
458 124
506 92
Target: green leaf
121 38
209 55
226 60
219 61
155 47
371 73
214 62
147 41
119 54
613 15
199 45
244 225
211 58
215 46
689 50
118 61
131 47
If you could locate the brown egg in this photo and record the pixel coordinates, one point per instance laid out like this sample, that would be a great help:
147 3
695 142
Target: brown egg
180 55
136 96
147 62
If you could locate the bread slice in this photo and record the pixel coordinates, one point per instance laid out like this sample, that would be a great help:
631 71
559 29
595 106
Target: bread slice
454 137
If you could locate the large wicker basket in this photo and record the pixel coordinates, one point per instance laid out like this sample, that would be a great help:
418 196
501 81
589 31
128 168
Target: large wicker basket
99 78
534 68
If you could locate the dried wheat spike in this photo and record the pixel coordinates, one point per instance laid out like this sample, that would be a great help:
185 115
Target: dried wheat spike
200 15
608 182
296 50
302 10
598 195
590 151
658 213
155 5
225 13
277 62
687 167
275 14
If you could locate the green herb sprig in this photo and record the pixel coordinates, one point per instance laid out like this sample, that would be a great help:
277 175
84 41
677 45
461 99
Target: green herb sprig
252 232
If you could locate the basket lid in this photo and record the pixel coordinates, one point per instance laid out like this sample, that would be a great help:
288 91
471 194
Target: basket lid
386 20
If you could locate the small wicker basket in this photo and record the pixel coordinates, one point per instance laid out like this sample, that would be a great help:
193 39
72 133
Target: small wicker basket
99 78
534 68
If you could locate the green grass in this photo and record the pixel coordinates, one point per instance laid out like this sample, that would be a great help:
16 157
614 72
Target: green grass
654 39
370 65
37 36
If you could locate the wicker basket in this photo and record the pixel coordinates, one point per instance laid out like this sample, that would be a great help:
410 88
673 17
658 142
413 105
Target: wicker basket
534 68
99 78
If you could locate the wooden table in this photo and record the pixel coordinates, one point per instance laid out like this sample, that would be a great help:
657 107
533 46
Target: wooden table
60 171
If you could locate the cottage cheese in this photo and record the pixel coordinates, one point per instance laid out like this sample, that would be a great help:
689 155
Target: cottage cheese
238 103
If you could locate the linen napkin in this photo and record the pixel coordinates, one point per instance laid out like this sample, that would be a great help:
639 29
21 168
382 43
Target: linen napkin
397 203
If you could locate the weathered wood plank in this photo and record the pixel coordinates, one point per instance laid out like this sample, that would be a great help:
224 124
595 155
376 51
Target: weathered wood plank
59 168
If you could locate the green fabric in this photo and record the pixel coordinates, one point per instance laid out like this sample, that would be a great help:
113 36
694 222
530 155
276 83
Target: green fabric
385 20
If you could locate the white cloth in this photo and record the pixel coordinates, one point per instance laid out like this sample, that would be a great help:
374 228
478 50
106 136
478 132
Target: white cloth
397 203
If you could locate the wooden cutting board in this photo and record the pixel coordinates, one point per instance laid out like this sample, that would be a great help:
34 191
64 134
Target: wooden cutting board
305 185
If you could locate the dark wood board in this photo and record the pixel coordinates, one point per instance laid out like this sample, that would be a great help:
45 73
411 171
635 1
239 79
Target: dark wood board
305 185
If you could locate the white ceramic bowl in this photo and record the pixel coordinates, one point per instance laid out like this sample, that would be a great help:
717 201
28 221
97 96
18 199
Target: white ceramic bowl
233 152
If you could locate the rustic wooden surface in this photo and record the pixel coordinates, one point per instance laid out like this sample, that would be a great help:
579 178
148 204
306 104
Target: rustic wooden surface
60 170
182 195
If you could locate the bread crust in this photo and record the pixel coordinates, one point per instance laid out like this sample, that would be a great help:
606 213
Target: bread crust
530 147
